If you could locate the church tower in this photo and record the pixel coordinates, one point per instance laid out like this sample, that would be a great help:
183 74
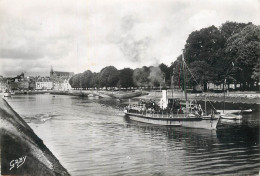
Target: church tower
51 72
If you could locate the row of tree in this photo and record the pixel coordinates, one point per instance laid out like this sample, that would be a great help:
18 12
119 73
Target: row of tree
111 77
230 52
213 55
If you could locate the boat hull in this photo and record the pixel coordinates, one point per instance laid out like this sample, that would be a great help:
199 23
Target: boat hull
231 117
191 122
7 94
236 111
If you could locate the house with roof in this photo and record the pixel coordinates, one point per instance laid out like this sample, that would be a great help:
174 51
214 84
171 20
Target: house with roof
43 83
61 79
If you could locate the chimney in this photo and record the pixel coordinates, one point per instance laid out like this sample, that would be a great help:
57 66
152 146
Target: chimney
164 101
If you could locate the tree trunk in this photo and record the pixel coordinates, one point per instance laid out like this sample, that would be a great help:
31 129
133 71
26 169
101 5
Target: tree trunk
243 86
252 85
205 86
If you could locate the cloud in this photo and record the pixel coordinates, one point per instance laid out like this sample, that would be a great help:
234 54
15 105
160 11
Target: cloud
80 35
19 53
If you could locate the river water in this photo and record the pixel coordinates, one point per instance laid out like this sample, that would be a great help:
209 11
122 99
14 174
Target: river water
92 137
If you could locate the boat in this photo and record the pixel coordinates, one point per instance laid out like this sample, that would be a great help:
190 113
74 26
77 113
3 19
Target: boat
186 118
7 94
90 95
177 120
245 111
231 116
167 113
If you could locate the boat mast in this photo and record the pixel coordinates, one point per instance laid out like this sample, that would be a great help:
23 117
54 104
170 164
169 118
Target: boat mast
172 92
205 105
172 85
224 88
184 82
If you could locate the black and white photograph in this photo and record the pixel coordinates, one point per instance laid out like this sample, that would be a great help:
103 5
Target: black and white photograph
129 87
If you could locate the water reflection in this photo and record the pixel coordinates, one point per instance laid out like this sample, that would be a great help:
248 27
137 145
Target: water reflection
229 150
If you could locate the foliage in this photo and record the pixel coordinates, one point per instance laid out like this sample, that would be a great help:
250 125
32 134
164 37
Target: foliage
75 81
230 28
87 79
108 77
243 49
203 51
126 78
229 52
140 76
176 66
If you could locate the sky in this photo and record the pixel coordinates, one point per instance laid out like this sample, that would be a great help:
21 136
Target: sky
84 35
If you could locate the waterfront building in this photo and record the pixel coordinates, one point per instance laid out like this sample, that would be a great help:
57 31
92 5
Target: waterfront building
43 83
18 83
3 84
61 79
62 85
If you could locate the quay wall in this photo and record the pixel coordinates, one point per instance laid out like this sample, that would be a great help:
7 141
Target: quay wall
22 151
234 97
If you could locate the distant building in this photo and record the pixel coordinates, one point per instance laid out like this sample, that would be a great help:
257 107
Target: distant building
3 84
62 85
18 83
61 79
43 83
60 74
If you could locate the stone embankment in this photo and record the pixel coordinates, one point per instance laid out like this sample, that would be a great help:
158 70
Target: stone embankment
235 97
22 151
103 93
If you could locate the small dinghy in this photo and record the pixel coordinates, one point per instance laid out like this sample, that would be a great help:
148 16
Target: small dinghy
7 94
231 116
246 111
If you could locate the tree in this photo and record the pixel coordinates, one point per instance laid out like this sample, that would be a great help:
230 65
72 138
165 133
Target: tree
166 71
75 81
256 73
230 28
205 48
176 66
140 76
126 78
95 80
86 79
243 49
108 77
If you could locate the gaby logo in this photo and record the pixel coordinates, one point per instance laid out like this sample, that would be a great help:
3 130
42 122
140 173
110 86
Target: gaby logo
17 162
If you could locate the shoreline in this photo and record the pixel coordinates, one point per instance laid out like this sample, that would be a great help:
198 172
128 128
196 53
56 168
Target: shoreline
235 97
88 93
18 140
248 98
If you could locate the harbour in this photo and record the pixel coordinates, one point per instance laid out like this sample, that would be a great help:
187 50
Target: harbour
92 136
130 88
